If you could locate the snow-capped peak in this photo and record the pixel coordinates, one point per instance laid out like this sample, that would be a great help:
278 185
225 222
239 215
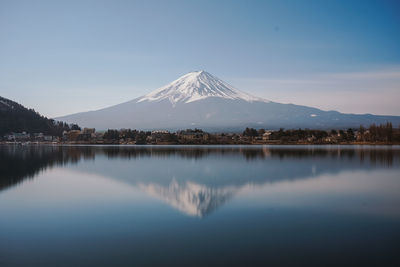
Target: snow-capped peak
195 86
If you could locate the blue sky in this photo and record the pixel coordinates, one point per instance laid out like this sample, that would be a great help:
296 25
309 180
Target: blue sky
61 57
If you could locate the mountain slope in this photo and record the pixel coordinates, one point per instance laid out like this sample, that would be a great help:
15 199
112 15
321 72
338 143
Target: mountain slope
201 100
16 118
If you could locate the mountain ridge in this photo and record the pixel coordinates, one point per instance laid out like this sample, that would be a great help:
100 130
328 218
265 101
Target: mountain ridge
15 117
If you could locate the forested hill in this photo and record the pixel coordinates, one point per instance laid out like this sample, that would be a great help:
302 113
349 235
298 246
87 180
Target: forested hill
17 118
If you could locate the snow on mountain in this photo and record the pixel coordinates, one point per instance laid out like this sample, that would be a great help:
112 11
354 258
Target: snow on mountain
195 86
200 100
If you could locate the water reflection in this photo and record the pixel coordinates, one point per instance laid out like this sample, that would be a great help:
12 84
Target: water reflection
191 198
194 180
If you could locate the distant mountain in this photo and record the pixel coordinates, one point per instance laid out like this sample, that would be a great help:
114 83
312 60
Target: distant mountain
201 100
16 118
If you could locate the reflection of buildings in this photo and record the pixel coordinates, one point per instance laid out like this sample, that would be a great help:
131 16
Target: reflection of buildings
190 198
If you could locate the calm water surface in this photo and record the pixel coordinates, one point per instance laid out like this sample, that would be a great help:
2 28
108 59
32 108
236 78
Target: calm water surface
188 206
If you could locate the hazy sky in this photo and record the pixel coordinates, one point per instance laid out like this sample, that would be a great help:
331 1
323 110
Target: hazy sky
61 57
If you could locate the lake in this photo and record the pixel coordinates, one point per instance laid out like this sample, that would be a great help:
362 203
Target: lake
199 206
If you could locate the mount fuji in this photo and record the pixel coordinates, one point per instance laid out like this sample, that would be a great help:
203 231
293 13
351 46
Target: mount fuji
201 100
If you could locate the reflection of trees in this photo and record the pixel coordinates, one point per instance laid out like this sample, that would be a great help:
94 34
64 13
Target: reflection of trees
20 162
382 155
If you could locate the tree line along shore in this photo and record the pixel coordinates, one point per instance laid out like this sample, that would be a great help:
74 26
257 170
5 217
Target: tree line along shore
374 134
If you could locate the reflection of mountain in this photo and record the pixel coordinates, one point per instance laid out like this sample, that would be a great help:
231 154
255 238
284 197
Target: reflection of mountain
195 180
190 198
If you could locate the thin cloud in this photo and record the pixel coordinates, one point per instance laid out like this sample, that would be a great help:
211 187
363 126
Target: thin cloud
374 92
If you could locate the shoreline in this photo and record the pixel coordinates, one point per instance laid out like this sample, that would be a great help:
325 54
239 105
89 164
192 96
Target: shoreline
209 144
